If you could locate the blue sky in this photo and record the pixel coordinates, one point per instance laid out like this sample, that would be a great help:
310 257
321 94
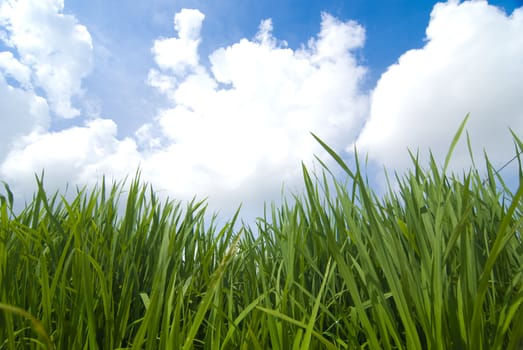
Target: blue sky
128 27
224 111
392 27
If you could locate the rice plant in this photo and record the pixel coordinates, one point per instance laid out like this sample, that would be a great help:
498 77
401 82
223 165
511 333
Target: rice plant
436 264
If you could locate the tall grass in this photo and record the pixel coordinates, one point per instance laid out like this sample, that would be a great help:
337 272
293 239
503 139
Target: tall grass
436 264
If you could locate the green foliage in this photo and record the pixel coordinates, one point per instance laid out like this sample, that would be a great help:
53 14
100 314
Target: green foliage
434 264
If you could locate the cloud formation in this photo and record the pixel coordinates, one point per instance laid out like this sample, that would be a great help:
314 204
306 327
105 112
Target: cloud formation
234 131
470 63
54 50
180 54
79 155
241 127
22 111
46 55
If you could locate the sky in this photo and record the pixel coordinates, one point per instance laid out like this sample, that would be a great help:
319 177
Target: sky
218 99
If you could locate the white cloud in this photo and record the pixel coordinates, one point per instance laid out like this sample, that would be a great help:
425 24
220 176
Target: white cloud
78 155
10 66
180 54
336 38
234 132
52 45
49 54
22 112
239 129
470 63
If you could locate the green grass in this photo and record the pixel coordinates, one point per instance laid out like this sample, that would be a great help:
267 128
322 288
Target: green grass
435 264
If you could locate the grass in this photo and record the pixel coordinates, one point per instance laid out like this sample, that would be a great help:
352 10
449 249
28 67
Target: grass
436 264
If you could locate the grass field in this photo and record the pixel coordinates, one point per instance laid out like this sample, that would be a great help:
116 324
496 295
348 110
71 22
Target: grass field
435 264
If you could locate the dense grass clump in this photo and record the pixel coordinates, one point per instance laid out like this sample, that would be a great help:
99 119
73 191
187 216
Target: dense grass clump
436 264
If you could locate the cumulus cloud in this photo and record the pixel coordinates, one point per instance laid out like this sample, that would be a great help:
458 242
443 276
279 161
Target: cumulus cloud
470 63
52 46
47 54
180 54
11 67
22 112
78 156
234 131
239 129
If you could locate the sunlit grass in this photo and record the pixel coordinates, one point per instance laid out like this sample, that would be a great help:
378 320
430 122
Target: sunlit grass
436 264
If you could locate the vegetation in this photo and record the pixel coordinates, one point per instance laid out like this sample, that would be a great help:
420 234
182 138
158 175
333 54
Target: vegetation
434 264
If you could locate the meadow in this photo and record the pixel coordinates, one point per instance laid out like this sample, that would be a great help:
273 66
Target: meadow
436 263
